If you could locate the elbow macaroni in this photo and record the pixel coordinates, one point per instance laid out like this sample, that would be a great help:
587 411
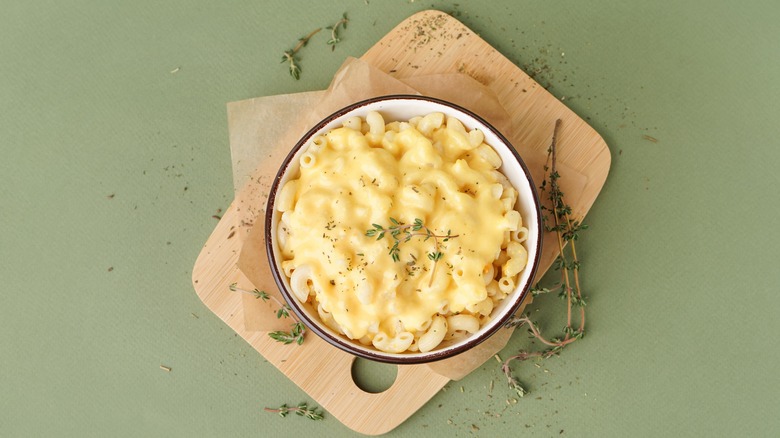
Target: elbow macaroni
367 171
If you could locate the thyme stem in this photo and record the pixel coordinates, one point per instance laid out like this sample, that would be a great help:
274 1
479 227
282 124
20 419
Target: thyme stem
296 334
435 251
334 31
303 41
258 294
566 230
302 410
556 195
289 55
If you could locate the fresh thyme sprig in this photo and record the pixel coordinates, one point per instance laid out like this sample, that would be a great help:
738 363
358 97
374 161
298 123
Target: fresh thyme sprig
539 290
303 410
334 31
295 335
404 233
511 380
298 329
258 294
289 55
567 232
283 312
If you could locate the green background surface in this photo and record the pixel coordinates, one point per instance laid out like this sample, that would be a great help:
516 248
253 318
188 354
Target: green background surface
680 262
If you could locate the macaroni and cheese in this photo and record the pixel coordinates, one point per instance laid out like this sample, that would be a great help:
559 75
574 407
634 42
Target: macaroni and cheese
372 175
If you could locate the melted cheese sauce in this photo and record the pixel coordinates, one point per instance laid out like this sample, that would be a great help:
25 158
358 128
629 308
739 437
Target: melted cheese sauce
357 180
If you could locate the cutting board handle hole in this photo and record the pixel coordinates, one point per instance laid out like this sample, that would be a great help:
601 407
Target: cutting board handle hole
373 377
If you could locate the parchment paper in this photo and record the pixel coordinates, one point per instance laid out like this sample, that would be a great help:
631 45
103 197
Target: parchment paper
264 130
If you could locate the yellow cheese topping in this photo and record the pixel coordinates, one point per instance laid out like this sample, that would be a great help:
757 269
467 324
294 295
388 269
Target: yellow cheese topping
355 180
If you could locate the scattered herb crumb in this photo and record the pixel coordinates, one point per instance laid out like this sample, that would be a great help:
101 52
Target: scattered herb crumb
110 268
165 368
650 139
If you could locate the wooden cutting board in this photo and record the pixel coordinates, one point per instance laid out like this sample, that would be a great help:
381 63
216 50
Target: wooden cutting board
428 42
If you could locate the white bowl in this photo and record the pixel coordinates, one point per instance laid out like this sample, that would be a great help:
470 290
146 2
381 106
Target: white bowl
403 108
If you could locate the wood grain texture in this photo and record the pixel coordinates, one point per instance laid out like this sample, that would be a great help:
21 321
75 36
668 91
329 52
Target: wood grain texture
429 42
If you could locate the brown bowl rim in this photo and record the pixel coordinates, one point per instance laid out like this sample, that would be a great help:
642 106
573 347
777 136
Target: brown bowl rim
344 344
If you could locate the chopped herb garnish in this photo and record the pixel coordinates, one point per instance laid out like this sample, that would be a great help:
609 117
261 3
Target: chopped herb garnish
404 233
